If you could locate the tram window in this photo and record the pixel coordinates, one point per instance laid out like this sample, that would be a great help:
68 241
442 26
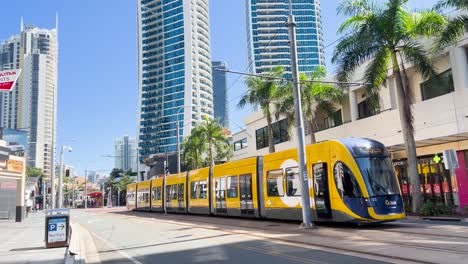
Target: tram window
346 182
222 188
275 185
193 190
203 190
157 193
181 191
174 192
293 184
232 186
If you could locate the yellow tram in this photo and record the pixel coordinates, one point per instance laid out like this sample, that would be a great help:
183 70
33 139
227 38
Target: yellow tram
350 180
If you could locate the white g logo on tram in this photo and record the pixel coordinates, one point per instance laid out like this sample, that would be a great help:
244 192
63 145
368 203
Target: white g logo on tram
293 201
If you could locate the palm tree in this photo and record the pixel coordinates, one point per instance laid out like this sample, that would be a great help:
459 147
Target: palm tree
381 35
456 26
193 147
316 96
207 142
262 92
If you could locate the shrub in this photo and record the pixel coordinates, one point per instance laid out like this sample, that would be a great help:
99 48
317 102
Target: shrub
431 209
428 209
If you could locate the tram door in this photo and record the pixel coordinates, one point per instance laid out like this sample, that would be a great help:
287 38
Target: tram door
168 196
181 203
246 203
321 192
220 188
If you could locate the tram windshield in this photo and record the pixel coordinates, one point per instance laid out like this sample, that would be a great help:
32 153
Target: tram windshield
379 175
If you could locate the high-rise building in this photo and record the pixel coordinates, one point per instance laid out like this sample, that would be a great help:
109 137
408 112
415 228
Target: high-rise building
221 106
10 59
125 154
268 39
32 104
175 82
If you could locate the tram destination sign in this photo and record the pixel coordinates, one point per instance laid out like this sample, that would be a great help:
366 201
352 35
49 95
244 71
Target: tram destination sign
8 79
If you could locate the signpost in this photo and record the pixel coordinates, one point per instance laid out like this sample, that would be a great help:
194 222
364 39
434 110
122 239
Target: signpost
8 79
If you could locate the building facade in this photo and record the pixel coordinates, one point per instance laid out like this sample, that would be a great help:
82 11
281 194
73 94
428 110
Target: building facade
10 59
221 104
125 154
32 104
268 39
175 78
440 110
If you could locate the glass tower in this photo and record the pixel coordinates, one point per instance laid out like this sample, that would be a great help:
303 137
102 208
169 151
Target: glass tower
221 104
175 78
268 39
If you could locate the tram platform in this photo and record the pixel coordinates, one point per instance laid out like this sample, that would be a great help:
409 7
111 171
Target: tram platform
23 242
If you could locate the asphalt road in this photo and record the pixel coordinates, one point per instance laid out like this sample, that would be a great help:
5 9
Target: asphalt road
124 239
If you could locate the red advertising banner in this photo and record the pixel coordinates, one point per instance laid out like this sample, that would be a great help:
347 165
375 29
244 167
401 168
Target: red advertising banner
427 186
436 188
8 79
421 188
404 189
445 187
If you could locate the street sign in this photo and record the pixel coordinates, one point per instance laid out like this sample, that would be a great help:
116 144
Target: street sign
450 159
57 228
8 79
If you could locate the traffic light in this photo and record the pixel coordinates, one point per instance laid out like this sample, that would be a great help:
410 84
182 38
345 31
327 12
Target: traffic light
67 172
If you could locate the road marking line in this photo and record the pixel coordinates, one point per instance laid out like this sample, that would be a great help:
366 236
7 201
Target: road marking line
115 248
275 254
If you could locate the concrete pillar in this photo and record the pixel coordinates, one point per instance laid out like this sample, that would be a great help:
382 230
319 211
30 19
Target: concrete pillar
20 206
353 106
459 64
392 90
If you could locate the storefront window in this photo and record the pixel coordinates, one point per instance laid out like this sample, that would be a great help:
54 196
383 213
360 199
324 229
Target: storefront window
435 181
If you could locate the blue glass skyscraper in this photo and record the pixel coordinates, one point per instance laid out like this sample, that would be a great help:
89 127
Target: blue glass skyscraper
175 78
221 104
267 34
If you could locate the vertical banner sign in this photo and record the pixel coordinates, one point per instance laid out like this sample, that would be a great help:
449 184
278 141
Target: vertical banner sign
57 228
8 79
445 187
404 189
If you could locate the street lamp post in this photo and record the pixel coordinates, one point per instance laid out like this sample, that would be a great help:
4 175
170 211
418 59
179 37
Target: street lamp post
304 178
60 185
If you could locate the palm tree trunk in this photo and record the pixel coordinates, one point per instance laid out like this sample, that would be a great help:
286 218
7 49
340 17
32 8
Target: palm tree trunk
271 142
313 140
408 135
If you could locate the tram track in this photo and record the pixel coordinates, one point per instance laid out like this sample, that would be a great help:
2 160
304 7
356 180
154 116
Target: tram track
260 234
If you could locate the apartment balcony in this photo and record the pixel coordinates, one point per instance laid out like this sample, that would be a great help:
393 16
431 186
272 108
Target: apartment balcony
439 120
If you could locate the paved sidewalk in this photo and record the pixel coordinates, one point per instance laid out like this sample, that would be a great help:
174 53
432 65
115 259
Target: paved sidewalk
24 242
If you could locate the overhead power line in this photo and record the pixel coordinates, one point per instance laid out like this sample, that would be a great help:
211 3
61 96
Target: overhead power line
290 79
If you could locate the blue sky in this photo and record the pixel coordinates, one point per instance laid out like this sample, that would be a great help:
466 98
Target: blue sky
98 66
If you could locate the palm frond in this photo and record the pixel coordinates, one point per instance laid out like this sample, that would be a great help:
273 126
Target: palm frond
459 4
453 31
376 71
358 7
425 23
419 57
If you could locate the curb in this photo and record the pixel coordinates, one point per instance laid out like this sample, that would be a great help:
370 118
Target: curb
82 249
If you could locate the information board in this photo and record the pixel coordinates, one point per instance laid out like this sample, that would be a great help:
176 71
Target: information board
57 229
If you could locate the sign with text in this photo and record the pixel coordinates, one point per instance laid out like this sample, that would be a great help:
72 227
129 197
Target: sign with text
8 79
57 230
15 166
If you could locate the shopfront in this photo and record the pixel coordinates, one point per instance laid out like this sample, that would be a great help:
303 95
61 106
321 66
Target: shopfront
438 185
